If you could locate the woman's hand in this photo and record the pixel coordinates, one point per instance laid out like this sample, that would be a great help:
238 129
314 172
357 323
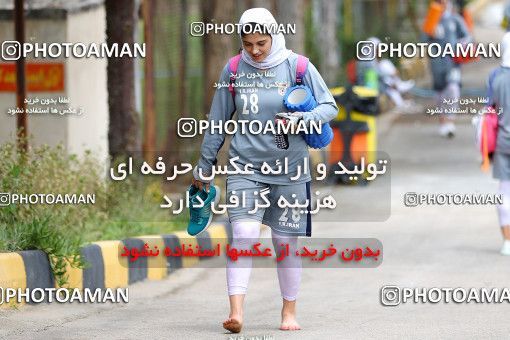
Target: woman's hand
292 119
200 185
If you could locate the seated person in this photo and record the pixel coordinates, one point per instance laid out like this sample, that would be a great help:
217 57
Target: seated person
391 84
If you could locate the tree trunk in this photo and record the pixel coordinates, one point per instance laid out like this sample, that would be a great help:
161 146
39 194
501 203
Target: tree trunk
268 4
291 12
359 29
330 57
218 48
183 57
413 17
123 134
149 136
347 19
173 147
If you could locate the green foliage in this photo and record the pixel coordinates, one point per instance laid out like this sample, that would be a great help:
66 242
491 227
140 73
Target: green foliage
121 209
312 49
49 170
42 235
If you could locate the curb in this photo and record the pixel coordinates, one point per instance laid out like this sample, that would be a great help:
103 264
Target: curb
385 122
106 268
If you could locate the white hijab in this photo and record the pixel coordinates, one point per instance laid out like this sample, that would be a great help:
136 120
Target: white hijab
448 11
505 46
278 53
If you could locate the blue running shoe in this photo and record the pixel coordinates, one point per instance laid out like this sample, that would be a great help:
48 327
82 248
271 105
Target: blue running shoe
200 218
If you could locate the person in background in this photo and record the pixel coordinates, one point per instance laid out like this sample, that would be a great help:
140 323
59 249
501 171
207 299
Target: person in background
366 70
505 24
446 75
394 87
499 93
465 13
382 75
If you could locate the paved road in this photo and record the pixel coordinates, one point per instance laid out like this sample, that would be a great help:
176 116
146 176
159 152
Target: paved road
426 246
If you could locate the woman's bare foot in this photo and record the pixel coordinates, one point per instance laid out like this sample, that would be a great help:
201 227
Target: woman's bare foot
289 322
234 323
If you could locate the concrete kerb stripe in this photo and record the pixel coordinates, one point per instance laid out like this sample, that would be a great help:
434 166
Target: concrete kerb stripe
173 263
188 241
156 266
110 270
137 269
37 269
221 234
105 267
12 273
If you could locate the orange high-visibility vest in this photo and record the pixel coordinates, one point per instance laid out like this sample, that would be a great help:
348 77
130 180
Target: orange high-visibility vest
433 17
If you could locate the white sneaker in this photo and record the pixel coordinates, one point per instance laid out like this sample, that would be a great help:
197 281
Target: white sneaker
505 250
447 130
405 85
409 107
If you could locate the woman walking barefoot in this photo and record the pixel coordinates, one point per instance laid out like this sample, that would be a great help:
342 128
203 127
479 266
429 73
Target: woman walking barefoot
270 67
499 92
